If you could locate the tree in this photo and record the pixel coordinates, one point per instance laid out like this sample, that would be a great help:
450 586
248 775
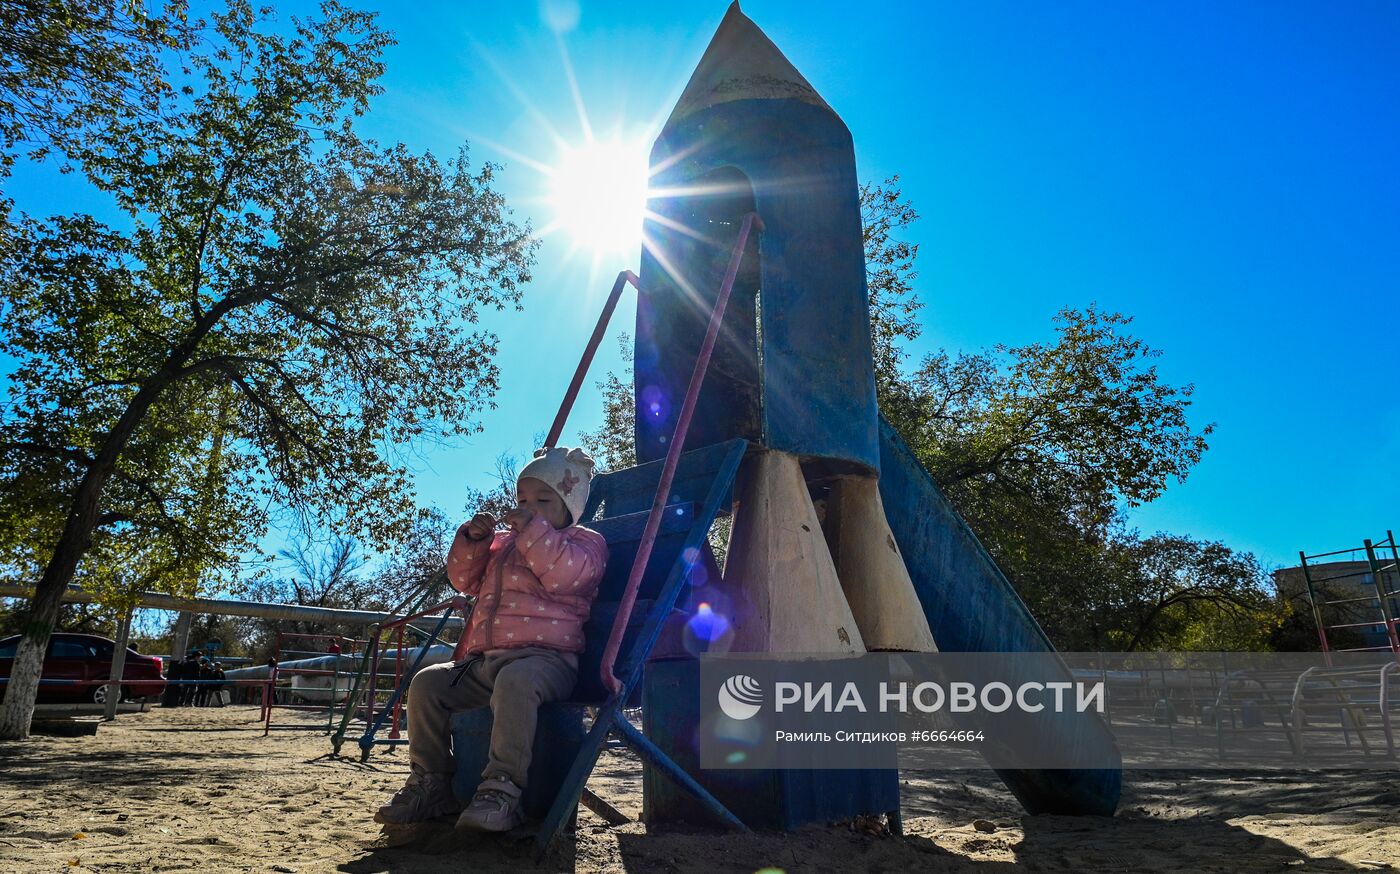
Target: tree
324 574
65 66
332 573
500 498
1160 592
889 282
288 314
1086 419
614 445
1041 448
416 572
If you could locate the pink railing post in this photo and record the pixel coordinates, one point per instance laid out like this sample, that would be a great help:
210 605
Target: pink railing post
673 455
623 279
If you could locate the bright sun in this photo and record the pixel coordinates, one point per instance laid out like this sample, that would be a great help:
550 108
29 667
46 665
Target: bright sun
599 194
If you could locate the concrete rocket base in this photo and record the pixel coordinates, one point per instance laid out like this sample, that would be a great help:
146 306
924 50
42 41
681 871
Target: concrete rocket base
779 558
871 569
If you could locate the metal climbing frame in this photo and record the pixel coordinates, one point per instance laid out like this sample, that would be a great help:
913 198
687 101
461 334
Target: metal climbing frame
1359 700
392 711
1383 574
369 677
1255 705
291 663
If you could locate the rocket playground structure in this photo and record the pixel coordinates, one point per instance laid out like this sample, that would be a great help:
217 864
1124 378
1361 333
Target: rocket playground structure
755 400
756 403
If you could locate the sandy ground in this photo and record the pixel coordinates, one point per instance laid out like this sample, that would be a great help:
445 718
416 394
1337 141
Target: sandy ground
203 790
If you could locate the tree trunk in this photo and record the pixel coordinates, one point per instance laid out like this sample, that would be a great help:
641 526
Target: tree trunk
23 686
17 711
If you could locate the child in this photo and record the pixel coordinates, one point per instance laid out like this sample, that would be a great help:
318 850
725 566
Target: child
535 585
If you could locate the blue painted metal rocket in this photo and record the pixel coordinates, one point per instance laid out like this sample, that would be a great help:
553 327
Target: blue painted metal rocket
793 374
793 370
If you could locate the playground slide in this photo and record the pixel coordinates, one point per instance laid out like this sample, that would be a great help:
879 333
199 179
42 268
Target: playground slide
971 607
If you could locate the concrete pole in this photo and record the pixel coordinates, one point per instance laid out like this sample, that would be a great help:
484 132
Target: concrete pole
180 643
114 692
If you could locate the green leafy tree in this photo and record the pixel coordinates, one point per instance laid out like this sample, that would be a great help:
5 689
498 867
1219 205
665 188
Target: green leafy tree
1041 447
66 66
614 445
1160 592
290 309
1194 594
889 280
1085 420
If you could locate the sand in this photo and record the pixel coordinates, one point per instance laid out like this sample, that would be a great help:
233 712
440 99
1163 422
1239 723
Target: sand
203 790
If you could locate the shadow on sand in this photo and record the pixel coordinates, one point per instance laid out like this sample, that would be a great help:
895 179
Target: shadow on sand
1035 844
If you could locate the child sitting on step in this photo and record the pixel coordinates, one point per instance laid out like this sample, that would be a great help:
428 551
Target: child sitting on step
535 586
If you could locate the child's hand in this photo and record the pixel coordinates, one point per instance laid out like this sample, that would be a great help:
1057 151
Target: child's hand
518 518
481 526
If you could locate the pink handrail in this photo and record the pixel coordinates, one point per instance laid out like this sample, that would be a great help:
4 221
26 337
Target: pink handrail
624 278
673 455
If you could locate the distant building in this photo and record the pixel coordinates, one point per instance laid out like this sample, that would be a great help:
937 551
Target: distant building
1349 590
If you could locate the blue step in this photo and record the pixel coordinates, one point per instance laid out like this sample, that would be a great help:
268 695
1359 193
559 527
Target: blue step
559 736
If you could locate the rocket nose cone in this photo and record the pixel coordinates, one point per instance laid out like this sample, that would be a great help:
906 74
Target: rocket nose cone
742 63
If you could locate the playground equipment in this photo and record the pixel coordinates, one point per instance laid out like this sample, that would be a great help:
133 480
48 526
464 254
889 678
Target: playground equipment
304 667
366 684
1357 703
756 399
795 378
1380 574
1267 708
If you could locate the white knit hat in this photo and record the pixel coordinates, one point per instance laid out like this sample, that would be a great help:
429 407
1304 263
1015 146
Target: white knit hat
567 471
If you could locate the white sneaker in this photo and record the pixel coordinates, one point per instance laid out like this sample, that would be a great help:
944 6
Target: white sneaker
495 807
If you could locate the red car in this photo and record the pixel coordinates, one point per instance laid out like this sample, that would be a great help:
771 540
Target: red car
77 657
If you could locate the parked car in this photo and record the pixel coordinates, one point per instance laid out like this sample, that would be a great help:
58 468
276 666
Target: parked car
76 657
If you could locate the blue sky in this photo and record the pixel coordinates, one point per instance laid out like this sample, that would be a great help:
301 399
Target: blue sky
1225 173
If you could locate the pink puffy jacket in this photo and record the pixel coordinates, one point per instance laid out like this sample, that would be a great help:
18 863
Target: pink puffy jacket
533 589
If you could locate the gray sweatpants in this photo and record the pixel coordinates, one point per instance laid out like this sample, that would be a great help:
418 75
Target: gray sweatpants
515 682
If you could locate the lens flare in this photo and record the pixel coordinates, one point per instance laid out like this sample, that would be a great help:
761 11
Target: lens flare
707 625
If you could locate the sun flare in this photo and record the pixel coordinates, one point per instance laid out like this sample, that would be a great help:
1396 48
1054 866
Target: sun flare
598 192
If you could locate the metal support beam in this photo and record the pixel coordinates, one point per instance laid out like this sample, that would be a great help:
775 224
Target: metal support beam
257 609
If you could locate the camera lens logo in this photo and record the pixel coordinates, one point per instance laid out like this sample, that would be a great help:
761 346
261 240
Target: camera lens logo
740 697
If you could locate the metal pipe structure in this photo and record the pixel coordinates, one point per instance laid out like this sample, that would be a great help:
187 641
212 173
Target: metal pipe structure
611 682
255 609
625 278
